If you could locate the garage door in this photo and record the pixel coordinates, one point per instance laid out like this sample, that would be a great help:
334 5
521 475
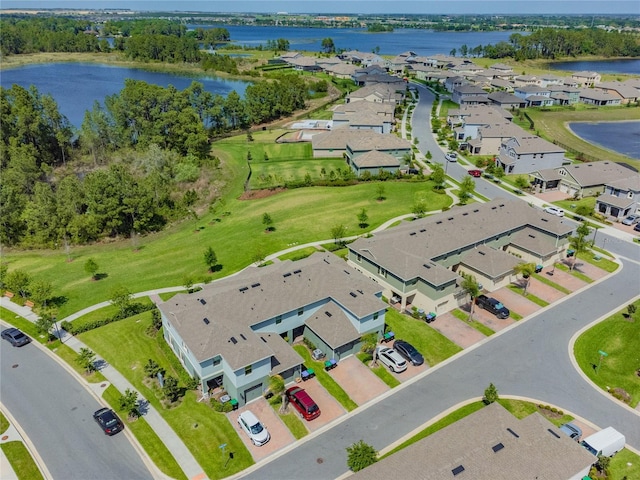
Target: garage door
253 393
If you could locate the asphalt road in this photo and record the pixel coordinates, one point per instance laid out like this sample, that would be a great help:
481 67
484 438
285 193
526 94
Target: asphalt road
531 360
56 413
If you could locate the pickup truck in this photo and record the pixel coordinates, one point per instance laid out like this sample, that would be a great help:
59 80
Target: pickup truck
492 305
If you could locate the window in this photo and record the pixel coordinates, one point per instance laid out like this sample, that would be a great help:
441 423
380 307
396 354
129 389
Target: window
300 311
630 195
278 319
216 361
375 316
382 272
248 369
359 258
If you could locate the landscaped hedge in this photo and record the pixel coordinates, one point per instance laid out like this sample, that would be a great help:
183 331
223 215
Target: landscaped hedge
134 309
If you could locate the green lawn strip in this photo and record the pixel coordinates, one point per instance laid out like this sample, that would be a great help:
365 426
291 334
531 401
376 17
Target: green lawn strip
528 296
4 423
127 347
482 328
619 337
433 346
148 439
106 312
439 425
625 464
299 254
603 263
22 323
546 281
20 459
69 356
168 295
521 409
325 379
581 276
291 419
380 371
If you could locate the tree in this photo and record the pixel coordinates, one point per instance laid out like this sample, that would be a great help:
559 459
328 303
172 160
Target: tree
187 282
631 309
121 298
363 218
156 319
268 222
380 190
328 46
360 455
526 270
18 281
171 389
86 359
44 324
40 291
466 189
522 182
369 343
210 258
129 403
152 368
579 242
437 176
91 267
277 387
490 394
338 232
470 287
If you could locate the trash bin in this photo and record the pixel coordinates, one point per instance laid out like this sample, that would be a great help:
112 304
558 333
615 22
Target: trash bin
234 403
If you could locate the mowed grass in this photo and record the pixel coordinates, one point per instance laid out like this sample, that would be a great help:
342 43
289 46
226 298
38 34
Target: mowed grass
4 423
166 258
21 461
433 346
380 371
269 174
127 347
619 337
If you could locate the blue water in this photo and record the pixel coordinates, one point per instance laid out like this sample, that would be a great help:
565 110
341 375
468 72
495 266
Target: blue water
629 66
76 86
621 137
423 42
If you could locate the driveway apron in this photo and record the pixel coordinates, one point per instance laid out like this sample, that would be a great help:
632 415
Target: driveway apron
456 330
515 302
330 409
355 378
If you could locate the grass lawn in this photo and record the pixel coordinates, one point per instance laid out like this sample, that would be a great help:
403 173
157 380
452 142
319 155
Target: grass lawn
482 328
21 461
625 465
528 296
4 423
380 371
22 323
106 312
433 346
619 337
269 174
69 356
291 419
581 276
126 346
325 379
521 409
299 254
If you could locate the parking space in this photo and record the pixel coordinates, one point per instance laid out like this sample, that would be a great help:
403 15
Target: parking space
515 302
410 372
330 409
564 279
456 330
280 434
591 271
490 320
543 291
355 378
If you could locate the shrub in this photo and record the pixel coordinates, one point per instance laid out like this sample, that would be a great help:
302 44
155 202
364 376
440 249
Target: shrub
309 344
361 455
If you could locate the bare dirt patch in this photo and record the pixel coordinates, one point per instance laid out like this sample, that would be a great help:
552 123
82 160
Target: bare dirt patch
257 194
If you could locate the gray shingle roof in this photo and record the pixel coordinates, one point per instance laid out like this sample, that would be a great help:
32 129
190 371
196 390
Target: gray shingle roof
597 173
620 202
284 357
533 144
493 263
375 159
331 324
367 140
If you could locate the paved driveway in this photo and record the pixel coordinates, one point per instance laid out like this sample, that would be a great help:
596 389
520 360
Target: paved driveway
280 434
360 383
456 330
564 279
490 320
515 302
541 290
330 409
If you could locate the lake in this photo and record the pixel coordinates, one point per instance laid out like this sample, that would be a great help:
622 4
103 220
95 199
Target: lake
621 137
629 66
76 86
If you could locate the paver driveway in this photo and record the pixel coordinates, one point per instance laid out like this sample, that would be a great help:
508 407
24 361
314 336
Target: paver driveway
355 378
330 409
456 330
490 320
515 302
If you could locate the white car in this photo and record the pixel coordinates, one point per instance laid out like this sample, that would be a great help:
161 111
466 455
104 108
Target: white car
631 219
253 428
554 211
452 156
392 359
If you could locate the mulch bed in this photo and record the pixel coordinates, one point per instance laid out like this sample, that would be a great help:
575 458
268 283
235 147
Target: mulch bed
256 194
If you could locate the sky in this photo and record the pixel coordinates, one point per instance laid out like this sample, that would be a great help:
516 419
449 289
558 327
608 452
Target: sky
627 7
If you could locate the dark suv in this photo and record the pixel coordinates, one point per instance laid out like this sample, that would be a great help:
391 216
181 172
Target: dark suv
492 305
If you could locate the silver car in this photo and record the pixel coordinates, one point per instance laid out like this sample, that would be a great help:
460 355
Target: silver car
631 219
392 359
253 428
572 431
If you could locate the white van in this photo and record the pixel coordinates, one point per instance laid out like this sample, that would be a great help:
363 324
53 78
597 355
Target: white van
606 442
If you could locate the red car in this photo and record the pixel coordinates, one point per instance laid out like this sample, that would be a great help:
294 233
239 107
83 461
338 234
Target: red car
302 402
475 173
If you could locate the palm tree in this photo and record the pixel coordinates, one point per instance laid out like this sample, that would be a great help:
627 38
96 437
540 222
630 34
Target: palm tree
526 270
470 286
579 243
276 386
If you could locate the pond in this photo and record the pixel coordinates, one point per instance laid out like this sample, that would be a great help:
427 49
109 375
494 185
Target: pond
76 86
621 137
627 66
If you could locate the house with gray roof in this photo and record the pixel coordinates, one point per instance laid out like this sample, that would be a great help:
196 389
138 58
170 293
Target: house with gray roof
490 443
238 331
421 261
620 198
378 117
534 95
581 179
506 100
469 95
379 93
528 153
492 135
593 96
564 94
374 162
627 93
586 79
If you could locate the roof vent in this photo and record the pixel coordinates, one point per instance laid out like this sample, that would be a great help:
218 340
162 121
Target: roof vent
532 236
494 208
255 285
328 314
513 433
465 214
450 218
353 294
553 433
476 211
481 253
347 272
244 289
412 233
439 222
263 339
206 321
426 265
288 274
457 470
242 336
360 292
422 230
202 301
498 446
233 340
501 205
544 219
297 271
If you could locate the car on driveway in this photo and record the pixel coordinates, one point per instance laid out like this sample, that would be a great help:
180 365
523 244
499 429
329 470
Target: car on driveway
108 421
303 403
254 429
572 430
475 172
409 352
631 219
637 227
492 305
392 359
451 156
557 211
15 337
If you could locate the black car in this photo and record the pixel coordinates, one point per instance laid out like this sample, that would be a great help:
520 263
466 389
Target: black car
492 305
409 352
108 420
15 337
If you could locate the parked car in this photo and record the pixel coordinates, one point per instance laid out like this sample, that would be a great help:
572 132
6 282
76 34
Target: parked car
409 352
475 172
572 430
256 432
451 156
492 305
413 171
604 443
637 227
108 421
392 359
557 211
303 403
631 219
15 337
